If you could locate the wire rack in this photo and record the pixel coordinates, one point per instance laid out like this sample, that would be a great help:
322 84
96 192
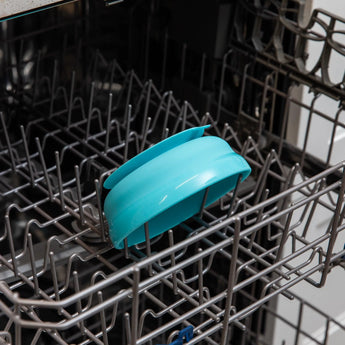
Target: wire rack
61 279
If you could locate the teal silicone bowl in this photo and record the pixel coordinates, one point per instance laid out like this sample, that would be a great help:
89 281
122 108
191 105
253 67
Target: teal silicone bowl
166 184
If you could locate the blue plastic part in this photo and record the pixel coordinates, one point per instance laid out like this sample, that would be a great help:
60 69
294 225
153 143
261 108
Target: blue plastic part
185 334
165 185
151 153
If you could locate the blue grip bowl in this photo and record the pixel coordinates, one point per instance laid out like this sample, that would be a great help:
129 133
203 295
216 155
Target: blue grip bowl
166 184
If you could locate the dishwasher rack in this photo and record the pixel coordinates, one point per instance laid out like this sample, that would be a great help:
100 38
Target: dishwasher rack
61 279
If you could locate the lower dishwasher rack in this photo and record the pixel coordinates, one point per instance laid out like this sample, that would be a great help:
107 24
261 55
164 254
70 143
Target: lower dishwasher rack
63 282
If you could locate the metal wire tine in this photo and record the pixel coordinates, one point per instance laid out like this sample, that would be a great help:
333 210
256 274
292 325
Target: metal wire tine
79 306
60 184
17 327
11 245
166 133
165 123
202 72
179 119
283 203
138 104
45 171
33 266
184 115
231 281
148 122
100 211
107 130
313 208
225 129
247 144
263 176
148 245
173 261
202 208
204 119
89 115
54 276
233 136
52 98
234 195
135 305
307 131
103 320
183 60
194 114
258 219
213 124
71 100
127 323
125 242
147 106
291 176
160 108
27 155
129 114
284 237
334 131
8 143
80 201
201 279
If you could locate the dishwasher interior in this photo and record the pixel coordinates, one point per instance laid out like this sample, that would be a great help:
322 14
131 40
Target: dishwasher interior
84 88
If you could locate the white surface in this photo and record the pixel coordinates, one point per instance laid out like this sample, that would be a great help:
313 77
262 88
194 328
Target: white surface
10 7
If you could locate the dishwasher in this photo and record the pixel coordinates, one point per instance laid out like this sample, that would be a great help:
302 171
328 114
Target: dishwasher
86 86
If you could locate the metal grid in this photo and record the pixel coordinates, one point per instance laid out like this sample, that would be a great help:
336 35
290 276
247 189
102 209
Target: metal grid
60 277
305 27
